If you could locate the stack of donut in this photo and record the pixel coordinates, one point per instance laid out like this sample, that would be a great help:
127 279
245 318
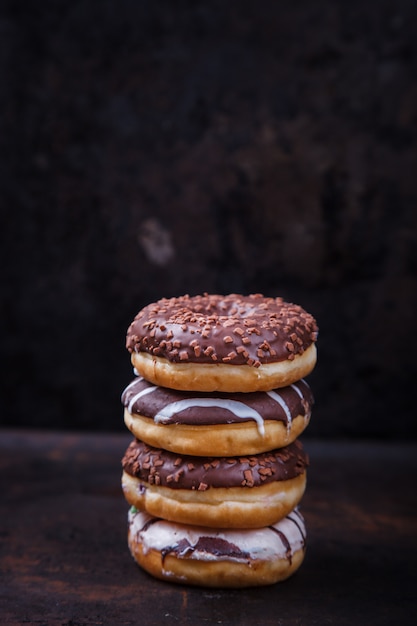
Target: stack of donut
215 471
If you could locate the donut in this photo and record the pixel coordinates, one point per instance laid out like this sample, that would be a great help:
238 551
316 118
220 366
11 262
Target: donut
229 343
226 492
194 555
216 424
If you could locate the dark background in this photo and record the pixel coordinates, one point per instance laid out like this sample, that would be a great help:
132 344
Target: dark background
151 149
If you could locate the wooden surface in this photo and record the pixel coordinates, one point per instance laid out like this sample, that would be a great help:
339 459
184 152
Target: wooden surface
64 557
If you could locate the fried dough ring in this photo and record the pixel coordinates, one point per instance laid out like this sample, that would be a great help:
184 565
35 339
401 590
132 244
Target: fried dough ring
224 377
233 507
161 557
228 492
229 343
215 440
216 424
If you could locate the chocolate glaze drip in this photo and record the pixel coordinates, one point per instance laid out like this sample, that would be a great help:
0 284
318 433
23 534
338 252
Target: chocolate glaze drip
180 549
286 543
148 523
215 546
159 403
160 467
299 523
240 330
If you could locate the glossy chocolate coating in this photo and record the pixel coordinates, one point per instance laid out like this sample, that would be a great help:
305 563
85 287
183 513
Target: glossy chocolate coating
169 406
240 330
160 467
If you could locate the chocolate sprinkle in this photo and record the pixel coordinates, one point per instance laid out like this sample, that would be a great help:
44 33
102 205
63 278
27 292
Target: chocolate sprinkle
157 466
214 328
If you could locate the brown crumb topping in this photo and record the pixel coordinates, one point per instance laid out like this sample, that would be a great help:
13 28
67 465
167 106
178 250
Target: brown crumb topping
160 467
240 330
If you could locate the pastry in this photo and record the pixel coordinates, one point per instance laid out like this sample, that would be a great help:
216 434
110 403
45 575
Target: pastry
216 424
217 557
228 492
227 343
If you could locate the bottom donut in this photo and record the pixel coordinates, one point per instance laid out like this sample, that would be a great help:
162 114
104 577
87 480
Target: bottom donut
209 557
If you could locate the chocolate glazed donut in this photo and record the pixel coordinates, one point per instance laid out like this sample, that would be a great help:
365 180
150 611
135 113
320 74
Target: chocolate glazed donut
228 492
218 423
223 343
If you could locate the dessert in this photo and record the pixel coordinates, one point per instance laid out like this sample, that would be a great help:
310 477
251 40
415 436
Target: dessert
222 343
217 557
228 492
216 472
216 424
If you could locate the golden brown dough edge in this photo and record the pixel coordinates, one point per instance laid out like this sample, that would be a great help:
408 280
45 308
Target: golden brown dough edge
214 573
237 507
215 439
224 377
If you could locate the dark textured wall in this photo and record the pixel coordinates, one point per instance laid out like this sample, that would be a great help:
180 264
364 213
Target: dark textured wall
152 149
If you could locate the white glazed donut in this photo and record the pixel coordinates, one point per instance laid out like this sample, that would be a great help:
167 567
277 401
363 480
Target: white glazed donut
217 557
